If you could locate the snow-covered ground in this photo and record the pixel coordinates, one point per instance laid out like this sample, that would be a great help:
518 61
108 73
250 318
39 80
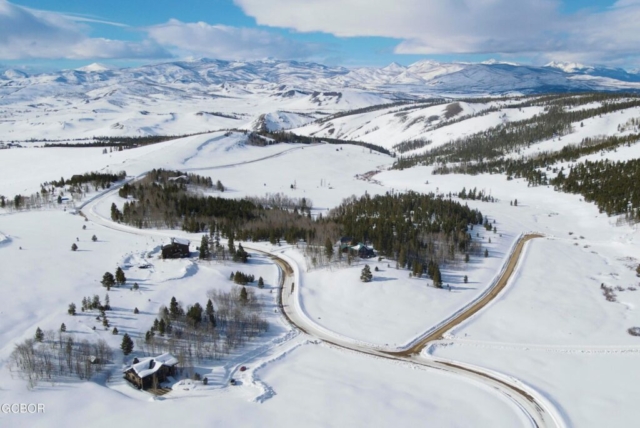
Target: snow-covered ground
552 327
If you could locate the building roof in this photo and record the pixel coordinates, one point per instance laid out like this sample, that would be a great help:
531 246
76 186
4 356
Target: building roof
180 241
148 366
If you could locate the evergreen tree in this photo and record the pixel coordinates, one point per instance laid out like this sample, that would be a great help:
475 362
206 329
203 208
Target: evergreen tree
72 309
419 271
240 255
136 311
126 345
147 336
94 238
402 258
194 314
174 308
486 252
210 313
366 275
328 248
232 247
108 280
120 278
74 247
244 297
107 302
114 331
466 279
437 277
515 203
204 248
39 336
63 328
135 286
466 258
260 282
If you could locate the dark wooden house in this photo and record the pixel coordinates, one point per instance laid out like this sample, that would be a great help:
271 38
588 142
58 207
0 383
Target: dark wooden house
151 372
176 249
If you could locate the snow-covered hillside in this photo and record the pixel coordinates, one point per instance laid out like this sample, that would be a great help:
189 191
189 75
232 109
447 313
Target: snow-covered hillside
184 97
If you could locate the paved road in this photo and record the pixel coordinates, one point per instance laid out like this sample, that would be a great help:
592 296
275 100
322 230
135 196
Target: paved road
536 409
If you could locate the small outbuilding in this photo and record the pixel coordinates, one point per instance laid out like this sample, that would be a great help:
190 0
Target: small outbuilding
178 248
151 372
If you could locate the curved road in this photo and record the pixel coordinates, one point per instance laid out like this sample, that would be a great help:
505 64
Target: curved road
539 412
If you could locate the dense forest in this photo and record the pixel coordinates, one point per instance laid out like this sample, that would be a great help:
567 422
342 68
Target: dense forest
411 228
533 168
612 186
512 136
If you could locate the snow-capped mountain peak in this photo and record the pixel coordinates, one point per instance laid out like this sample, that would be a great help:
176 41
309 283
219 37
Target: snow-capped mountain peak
569 67
94 68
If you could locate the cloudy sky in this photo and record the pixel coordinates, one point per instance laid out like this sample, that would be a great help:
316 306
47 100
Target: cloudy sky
49 34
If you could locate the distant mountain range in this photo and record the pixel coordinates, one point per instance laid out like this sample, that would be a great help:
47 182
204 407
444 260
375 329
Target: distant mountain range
196 96
216 77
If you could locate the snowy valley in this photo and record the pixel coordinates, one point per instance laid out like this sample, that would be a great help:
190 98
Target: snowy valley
442 244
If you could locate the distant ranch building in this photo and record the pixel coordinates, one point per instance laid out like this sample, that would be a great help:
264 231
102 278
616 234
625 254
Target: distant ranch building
176 249
151 372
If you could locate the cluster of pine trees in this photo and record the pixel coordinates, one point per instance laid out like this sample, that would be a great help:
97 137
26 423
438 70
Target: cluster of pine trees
475 195
242 278
411 228
612 186
534 168
512 136
99 180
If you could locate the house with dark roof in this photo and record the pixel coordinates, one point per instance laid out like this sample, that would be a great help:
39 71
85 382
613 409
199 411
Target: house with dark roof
178 248
151 372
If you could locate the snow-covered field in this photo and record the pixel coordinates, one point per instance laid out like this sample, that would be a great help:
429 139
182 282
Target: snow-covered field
552 328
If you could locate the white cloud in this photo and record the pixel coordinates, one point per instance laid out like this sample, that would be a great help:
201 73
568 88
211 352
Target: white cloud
529 27
224 42
27 33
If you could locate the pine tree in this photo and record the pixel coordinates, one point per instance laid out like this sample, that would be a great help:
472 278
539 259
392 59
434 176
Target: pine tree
420 270
260 282
63 328
39 336
437 277
174 308
402 258
328 248
74 247
108 280
466 258
72 309
466 279
114 331
210 313
136 311
120 278
94 238
135 286
366 275
126 345
107 301
486 252
162 327
244 297
232 247
204 248
147 336
515 203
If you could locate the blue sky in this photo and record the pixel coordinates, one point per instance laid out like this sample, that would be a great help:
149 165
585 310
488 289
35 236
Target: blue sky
50 34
